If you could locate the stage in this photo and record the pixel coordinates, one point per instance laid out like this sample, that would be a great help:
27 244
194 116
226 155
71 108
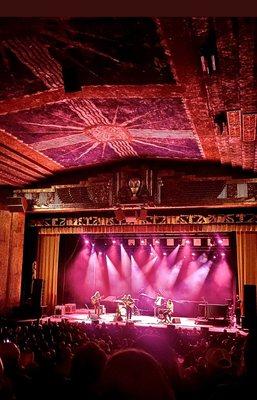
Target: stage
83 316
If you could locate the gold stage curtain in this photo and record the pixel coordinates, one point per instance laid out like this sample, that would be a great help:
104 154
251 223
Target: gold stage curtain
246 243
47 258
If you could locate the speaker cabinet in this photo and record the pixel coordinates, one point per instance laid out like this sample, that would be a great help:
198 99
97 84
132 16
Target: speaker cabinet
17 204
176 321
250 312
37 293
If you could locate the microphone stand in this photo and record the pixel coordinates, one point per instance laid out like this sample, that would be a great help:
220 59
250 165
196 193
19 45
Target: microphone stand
89 313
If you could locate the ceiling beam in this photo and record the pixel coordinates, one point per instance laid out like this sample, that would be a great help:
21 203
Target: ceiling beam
186 63
21 148
20 170
88 92
22 162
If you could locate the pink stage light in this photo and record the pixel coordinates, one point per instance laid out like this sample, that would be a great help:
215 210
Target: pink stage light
157 241
100 253
143 242
197 242
170 242
114 241
186 242
164 253
220 241
86 241
222 254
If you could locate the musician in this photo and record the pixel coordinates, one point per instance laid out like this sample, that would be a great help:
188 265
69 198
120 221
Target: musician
158 304
95 300
128 304
117 316
205 303
168 312
238 309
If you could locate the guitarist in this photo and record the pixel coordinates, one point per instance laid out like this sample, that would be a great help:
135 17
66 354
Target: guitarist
95 300
168 311
128 304
158 304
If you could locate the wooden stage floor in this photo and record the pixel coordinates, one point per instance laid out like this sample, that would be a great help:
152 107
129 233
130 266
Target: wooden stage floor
142 321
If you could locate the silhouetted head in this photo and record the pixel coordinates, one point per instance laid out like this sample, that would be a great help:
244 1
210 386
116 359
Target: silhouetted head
133 374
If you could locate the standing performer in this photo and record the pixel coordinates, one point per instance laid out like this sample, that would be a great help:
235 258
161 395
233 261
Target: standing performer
238 306
95 300
169 311
158 304
205 303
129 304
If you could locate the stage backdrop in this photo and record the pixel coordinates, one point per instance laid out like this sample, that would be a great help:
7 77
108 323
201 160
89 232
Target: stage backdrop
181 272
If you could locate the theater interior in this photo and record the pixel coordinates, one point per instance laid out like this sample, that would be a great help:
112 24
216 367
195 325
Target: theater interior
128 167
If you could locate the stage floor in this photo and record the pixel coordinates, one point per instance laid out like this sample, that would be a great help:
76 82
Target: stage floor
143 321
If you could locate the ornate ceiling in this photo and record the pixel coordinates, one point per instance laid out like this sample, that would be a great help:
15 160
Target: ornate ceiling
168 88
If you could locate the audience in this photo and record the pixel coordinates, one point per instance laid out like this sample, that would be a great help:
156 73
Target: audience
108 362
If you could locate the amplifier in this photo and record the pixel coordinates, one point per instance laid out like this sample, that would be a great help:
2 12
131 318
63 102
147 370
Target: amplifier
70 308
59 310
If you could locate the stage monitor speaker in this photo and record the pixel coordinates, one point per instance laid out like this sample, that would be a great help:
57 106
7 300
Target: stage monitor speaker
71 78
17 204
37 291
94 317
250 311
176 321
204 329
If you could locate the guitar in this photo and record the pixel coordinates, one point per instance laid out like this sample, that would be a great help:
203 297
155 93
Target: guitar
158 301
96 300
128 303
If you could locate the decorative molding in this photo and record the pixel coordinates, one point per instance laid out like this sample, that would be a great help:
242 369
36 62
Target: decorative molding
191 219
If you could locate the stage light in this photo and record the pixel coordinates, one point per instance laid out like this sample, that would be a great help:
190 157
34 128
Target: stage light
214 257
164 253
143 242
142 214
188 241
114 241
222 254
220 241
86 241
210 242
170 242
193 254
157 241
119 214
197 242
100 253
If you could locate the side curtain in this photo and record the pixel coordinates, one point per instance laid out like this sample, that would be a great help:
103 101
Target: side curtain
48 255
246 243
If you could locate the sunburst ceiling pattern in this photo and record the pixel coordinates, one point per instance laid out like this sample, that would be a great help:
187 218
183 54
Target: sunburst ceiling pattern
172 88
81 132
